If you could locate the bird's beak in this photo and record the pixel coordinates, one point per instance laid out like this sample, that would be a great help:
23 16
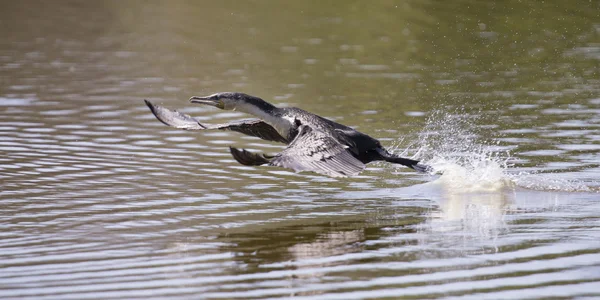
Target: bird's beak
208 100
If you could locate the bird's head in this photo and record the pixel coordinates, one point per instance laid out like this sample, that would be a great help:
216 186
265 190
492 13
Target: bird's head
226 101
232 101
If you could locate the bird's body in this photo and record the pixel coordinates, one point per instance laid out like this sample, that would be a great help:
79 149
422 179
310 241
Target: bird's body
358 143
314 143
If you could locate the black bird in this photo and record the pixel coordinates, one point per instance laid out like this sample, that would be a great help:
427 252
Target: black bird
314 143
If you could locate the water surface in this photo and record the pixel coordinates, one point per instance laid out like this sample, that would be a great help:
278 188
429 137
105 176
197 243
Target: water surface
100 200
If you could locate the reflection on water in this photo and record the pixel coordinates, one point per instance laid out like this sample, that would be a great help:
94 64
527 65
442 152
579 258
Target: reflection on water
100 200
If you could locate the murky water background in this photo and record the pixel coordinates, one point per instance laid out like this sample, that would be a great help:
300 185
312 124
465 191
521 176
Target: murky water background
99 200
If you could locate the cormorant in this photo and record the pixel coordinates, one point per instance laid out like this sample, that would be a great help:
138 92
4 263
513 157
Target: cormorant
314 143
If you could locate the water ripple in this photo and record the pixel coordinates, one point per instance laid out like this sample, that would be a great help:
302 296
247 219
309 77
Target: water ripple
100 200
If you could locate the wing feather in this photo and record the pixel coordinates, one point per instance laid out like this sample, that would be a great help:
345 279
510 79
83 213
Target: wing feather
313 150
248 158
253 127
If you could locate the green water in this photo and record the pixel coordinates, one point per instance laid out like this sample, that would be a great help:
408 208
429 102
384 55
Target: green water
100 200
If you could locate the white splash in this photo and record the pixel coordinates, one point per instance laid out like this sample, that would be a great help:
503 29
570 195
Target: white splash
466 162
455 147
475 183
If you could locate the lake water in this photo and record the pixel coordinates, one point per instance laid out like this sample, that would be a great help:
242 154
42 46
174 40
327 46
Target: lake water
99 200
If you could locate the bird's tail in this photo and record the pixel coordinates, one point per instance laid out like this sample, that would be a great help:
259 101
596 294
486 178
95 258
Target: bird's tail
413 164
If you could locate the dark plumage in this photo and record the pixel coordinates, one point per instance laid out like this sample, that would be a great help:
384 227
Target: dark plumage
314 143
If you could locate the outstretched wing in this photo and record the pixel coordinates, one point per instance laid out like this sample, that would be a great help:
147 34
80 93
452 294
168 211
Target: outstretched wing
254 127
248 158
313 150
174 118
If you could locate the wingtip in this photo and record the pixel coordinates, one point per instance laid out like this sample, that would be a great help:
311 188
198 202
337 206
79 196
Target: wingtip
233 151
154 109
247 158
150 105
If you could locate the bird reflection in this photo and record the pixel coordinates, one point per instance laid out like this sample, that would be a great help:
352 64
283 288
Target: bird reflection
309 242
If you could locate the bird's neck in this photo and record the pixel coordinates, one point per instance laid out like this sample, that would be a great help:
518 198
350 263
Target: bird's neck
268 113
261 110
